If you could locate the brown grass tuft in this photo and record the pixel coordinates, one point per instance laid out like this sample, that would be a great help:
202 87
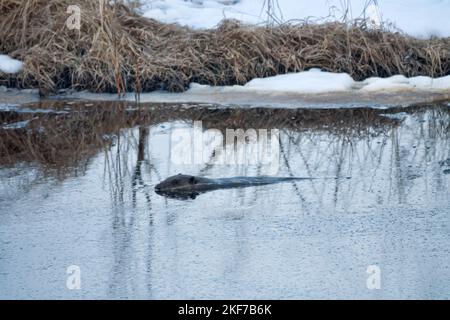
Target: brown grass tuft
117 50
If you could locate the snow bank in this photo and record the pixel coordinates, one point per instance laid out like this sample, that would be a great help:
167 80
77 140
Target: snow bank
316 81
201 14
312 81
421 18
398 83
9 65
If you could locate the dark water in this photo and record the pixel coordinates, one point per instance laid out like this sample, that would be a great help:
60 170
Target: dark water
77 189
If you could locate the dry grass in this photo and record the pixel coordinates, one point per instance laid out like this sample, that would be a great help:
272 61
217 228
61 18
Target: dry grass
117 50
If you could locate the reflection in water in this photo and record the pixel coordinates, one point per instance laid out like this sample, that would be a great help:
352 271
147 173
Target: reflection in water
79 186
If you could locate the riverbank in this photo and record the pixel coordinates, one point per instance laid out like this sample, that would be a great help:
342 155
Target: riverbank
118 50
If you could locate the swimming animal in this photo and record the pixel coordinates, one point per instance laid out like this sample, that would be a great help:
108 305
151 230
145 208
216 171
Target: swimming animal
184 186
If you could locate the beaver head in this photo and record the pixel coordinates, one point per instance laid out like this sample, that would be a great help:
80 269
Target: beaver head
179 182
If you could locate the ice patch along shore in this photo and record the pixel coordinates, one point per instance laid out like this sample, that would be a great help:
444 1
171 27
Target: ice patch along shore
307 89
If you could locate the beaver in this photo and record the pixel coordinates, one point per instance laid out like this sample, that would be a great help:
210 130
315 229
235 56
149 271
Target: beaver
184 186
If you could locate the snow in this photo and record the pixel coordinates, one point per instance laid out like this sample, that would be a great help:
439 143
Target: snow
312 81
399 82
9 65
317 81
420 18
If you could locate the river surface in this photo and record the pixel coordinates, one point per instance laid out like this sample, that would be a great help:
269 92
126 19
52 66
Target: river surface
76 193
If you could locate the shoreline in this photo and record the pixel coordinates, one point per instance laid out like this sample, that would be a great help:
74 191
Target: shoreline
288 100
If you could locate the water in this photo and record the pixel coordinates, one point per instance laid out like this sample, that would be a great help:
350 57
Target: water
77 189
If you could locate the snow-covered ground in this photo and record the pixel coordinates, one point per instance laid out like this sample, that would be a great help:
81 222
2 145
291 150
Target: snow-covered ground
9 65
421 18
